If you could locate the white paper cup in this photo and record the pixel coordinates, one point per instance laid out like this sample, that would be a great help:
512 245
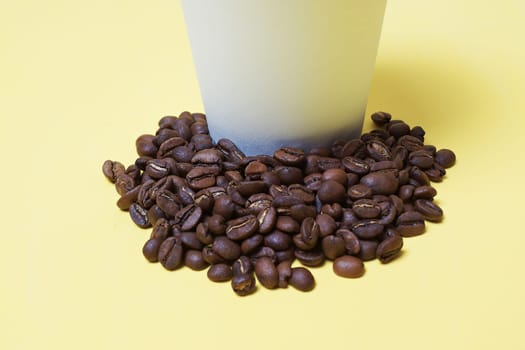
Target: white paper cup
284 72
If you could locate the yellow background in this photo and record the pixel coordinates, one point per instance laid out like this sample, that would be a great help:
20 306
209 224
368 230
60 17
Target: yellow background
80 80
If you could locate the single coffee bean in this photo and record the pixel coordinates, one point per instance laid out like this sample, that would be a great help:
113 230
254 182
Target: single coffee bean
367 229
381 118
419 176
312 258
162 136
367 249
351 242
189 240
287 224
242 228
302 279
313 181
366 209
255 169
349 218
194 260
308 236
355 165
430 210
445 157
390 247
277 240
302 192
207 158
290 156
398 129
226 248
327 163
124 183
258 202
267 218
381 182
139 215
203 233
201 177
151 249
410 223
299 212
284 255
266 272
216 225
348 266
406 192
161 229
335 174
335 210
188 217
112 169
201 141
155 214
171 254
243 284
248 188
251 244
421 159
168 202
145 146
331 192
424 192
378 150
199 128
241 266
333 247
326 224
167 149
388 212
220 273
230 151
289 175
128 198
284 269
210 256
224 206
359 191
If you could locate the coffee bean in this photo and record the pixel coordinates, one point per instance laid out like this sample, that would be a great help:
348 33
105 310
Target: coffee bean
367 229
308 236
216 225
335 210
378 150
424 192
331 192
430 210
251 244
351 242
287 224
367 249
445 157
128 198
224 207
302 279
349 266
194 260
398 129
242 228
313 181
230 151
189 240
312 258
390 247
381 118
145 146
327 225
284 269
226 248
155 214
112 169
168 202
188 217
266 272
161 229
421 159
244 284
366 209
220 273
359 191
290 156
210 256
381 182
289 175
201 141
139 215
277 240
410 223
151 249
355 165
327 163
333 246
201 177
406 192
124 183
171 254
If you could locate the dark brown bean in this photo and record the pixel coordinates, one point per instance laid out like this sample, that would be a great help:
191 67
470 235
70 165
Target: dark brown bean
302 279
349 266
220 273
266 272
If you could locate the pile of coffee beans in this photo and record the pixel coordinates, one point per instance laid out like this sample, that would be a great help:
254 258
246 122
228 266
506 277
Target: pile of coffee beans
248 218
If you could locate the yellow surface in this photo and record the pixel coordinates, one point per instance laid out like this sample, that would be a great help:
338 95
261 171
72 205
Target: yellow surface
80 80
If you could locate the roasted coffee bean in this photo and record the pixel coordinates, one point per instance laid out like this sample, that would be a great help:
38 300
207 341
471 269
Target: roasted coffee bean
112 169
410 223
419 176
333 246
313 181
267 218
161 229
302 192
351 242
308 236
266 272
424 192
367 249
163 135
445 157
251 244
124 183
255 169
359 191
139 215
151 249
367 229
421 159
190 240
194 260
155 214
201 177
171 254
335 174
201 141
331 192
299 212
226 248
284 255
230 151
243 284
216 225
390 247
207 158
199 128
366 209
378 150
168 202
204 199
168 147
311 258
435 173
381 182
210 256
284 269
220 273
326 224
248 188
406 192
388 212
290 156
398 129
263 251
242 228
381 118
188 217
355 165
418 132
302 279
145 146
337 147
348 266
287 224
430 210
241 266
327 163
335 210
277 240
128 198
349 218
289 175
224 207
320 151
203 233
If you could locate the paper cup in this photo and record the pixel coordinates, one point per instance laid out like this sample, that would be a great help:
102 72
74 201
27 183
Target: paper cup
284 72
